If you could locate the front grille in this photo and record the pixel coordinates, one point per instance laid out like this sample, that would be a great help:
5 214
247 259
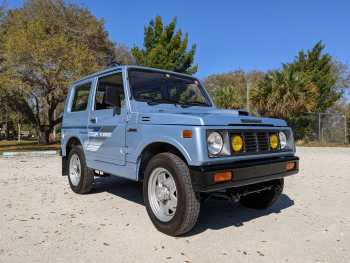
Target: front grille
250 142
255 141
263 141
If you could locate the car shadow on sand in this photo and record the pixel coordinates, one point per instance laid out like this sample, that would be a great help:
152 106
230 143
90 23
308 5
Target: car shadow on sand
218 214
215 214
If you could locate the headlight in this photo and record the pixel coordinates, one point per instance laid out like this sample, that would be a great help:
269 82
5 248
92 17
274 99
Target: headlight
283 139
215 143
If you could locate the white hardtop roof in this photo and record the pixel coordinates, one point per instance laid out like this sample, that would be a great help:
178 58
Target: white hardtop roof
121 67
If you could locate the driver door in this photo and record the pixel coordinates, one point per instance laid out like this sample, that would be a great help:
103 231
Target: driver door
107 123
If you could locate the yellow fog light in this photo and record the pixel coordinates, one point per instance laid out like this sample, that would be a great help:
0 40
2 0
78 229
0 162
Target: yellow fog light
237 143
273 141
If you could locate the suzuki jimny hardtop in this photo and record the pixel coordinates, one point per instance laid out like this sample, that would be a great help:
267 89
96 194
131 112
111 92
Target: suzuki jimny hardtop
161 128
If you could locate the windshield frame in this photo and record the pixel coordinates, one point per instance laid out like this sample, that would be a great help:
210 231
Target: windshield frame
208 102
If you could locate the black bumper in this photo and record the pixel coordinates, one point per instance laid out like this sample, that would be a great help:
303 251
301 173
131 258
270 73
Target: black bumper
244 173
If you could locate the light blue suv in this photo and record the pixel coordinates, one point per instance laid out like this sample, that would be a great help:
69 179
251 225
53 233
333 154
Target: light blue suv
161 128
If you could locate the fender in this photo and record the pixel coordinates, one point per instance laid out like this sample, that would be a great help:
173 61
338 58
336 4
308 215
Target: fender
163 139
66 139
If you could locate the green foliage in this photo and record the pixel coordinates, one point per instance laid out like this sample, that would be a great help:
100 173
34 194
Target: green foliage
229 90
165 48
308 84
46 45
318 69
284 94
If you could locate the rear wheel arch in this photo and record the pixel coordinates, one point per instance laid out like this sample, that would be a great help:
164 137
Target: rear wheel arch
73 141
153 149
80 177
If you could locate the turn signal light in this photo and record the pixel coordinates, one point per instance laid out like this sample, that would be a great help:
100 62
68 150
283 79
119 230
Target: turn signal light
222 176
290 166
186 134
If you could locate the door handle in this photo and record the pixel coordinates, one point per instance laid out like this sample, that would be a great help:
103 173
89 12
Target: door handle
93 120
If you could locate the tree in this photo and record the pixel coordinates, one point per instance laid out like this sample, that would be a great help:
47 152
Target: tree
46 45
165 48
2 15
321 70
342 72
123 55
284 94
308 84
229 90
311 83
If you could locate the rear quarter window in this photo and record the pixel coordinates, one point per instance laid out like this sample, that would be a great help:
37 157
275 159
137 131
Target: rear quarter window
81 97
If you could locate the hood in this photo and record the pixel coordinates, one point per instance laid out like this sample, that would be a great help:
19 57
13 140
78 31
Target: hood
204 116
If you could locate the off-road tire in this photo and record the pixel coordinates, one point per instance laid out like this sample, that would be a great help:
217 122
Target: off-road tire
264 199
188 204
87 175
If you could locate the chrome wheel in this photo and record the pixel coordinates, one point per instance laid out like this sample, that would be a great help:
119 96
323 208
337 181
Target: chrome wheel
75 169
162 194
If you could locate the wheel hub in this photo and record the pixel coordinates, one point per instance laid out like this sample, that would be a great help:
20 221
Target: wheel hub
162 194
75 170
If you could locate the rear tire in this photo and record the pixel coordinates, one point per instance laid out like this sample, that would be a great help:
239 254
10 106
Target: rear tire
80 177
170 169
264 199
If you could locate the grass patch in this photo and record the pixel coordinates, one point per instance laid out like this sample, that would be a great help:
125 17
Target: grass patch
26 146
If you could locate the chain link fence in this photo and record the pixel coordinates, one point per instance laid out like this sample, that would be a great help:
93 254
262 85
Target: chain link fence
325 128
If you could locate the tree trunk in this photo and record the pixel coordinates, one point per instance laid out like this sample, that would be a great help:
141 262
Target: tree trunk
44 135
19 132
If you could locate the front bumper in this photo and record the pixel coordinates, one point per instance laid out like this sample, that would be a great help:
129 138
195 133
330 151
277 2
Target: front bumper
244 173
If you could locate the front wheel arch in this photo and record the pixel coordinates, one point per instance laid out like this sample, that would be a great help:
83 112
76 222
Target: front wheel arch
153 149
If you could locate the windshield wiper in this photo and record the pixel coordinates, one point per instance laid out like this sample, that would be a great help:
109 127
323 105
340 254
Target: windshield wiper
195 103
160 101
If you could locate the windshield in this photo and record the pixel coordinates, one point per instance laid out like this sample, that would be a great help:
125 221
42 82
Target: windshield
156 87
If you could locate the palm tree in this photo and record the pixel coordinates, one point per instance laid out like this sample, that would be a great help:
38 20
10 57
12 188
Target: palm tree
284 94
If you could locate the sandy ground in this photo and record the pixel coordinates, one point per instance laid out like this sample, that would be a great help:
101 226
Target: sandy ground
41 220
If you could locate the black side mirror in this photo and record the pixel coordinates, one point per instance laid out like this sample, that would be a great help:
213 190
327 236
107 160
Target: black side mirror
112 98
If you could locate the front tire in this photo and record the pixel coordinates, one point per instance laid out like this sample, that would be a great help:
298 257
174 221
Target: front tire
170 201
80 177
264 199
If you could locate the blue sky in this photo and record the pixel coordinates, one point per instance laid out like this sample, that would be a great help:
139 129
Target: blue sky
234 35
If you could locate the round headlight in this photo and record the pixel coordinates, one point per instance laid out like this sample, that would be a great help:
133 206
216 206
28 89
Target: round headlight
273 141
215 143
283 139
237 143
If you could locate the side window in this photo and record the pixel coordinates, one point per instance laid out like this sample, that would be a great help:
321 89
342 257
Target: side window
81 97
113 83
